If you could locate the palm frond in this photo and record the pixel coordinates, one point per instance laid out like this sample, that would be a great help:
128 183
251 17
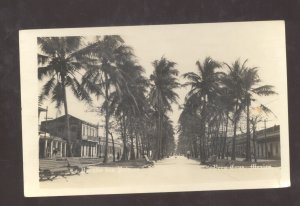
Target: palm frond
265 90
58 95
45 71
48 87
266 110
78 90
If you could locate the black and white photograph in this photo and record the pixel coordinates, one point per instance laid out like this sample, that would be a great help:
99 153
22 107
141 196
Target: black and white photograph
162 108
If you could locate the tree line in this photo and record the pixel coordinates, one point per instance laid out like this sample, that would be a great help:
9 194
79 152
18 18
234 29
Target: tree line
134 106
219 96
137 108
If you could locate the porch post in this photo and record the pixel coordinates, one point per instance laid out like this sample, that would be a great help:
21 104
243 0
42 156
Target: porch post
83 147
45 148
51 148
96 149
61 154
65 152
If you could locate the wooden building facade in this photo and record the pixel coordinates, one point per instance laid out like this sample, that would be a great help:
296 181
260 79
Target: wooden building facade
84 135
267 144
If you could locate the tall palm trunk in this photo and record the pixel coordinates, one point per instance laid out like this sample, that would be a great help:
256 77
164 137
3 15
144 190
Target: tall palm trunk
200 148
159 134
67 122
203 129
218 138
157 148
137 145
195 148
248 146
233 140
113 146
148 146
235 120
254 143
124 139
132 153
106 119
225 136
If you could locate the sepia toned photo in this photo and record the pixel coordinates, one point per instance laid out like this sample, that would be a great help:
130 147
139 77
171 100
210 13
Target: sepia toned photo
163 108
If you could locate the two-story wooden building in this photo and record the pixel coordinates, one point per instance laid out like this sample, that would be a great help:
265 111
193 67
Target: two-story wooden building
267 143
84 135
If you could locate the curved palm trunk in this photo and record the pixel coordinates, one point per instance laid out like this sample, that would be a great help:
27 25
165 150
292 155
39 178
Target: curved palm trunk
67 123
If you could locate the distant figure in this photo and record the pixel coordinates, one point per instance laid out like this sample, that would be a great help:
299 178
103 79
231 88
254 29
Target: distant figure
188 153
54 153
118 156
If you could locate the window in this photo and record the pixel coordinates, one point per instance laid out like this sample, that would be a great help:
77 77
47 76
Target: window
83 129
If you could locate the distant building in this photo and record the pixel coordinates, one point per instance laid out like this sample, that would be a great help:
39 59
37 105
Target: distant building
118 148
267 143
85 139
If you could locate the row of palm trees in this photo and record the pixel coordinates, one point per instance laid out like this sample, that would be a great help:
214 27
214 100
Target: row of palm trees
107 70
219 96
137 108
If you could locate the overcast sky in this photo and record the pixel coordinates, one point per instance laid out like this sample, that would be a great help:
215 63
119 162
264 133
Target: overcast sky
262 43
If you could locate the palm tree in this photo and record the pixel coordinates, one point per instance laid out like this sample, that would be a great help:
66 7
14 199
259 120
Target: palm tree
162 95
129 106
233 82
226 104
189 125
110 52
204 86
250 90
59 65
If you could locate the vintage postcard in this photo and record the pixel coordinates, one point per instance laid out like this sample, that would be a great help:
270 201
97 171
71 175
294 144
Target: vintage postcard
166 108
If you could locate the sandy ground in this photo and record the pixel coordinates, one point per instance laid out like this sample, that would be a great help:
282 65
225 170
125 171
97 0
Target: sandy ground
171 174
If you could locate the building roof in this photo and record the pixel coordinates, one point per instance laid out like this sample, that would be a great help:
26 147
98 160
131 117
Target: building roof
275 128
71 116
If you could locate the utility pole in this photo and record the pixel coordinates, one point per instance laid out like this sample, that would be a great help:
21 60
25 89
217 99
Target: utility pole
46 121
266 146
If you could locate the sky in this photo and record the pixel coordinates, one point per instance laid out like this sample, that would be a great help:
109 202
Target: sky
262 43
